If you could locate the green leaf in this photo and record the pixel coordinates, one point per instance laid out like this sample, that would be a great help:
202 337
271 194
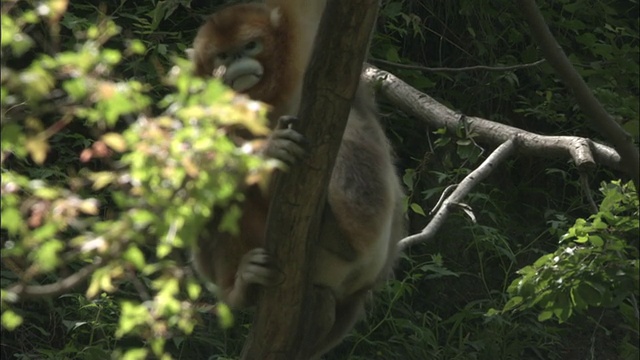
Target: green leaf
136 46
11 320
37 147
545 315
417 209
596 240
407 178
562 307
47 255
44 232
590 294
577 301
225 315
582 239
12 138
102 179
135 256
543 260
142 218
193 289
76 88
598 224
12 220
111 56
115 141
512 303
132 315
46 193
163 250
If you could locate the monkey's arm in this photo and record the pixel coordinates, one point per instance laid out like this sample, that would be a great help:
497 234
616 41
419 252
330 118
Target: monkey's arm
236 264
239 263
255 269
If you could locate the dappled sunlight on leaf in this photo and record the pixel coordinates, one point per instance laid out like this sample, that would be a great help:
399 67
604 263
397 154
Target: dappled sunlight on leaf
596 264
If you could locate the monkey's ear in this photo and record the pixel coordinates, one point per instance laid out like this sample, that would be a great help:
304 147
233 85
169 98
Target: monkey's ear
191 53
275 17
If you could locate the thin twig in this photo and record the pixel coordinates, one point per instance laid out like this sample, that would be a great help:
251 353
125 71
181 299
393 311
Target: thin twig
468 68
22 291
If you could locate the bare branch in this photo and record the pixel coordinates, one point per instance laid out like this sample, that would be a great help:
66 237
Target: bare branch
584 152
461 69
586 191
474 178
584 96
23 291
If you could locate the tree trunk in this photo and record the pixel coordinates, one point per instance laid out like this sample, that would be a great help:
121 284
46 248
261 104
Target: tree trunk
293 315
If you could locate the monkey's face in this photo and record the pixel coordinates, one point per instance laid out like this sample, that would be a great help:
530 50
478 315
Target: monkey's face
238 45
238 67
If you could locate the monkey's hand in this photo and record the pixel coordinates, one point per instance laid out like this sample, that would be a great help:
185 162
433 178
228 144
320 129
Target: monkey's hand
256 267
285 143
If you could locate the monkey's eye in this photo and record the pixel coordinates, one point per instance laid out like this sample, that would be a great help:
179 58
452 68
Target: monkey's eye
253 47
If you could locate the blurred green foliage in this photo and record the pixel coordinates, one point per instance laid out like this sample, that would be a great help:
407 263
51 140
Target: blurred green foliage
137 191
113 157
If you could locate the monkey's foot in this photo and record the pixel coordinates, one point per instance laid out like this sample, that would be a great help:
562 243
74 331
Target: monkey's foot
256 268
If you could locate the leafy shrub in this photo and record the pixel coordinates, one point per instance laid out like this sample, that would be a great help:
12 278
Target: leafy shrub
596 264
139 188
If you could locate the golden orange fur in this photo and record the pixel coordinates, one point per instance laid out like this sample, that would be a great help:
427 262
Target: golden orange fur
363 218
239 23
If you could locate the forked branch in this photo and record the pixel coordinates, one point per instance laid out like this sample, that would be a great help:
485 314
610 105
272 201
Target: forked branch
585 153
502 153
